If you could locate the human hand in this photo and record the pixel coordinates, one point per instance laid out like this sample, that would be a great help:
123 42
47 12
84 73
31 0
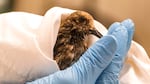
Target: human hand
89 66
94 60
111 74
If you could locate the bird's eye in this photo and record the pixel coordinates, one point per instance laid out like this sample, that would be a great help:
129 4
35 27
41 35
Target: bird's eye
82 19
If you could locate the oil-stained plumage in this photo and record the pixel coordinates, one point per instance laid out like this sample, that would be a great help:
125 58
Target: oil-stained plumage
71 41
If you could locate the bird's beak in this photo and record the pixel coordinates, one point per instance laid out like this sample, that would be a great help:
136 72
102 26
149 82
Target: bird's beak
95 32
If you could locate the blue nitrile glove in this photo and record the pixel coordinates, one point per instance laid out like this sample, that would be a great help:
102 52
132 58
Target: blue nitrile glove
92 63
111 73
89 66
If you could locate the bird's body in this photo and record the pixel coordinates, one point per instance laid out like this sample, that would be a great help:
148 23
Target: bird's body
71 41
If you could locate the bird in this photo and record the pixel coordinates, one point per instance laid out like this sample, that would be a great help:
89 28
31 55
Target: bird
72 37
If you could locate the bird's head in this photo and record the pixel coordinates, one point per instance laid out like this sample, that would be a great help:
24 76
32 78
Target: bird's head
81 23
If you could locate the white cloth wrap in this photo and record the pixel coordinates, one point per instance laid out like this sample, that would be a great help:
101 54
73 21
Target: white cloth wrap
26 48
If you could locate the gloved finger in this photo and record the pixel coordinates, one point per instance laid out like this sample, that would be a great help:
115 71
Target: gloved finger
122 39
111 73
130 28
113 27
88 67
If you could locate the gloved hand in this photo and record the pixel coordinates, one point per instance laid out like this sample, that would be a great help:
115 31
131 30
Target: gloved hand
111 74
109 49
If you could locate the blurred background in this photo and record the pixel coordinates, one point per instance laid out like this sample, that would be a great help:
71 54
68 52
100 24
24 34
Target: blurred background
105 11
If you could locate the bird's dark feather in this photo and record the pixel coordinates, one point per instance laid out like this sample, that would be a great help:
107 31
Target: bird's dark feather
71 41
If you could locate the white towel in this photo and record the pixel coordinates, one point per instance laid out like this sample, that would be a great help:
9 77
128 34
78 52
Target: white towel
26 48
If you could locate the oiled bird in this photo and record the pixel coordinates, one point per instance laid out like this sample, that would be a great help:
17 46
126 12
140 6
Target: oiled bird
71 41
